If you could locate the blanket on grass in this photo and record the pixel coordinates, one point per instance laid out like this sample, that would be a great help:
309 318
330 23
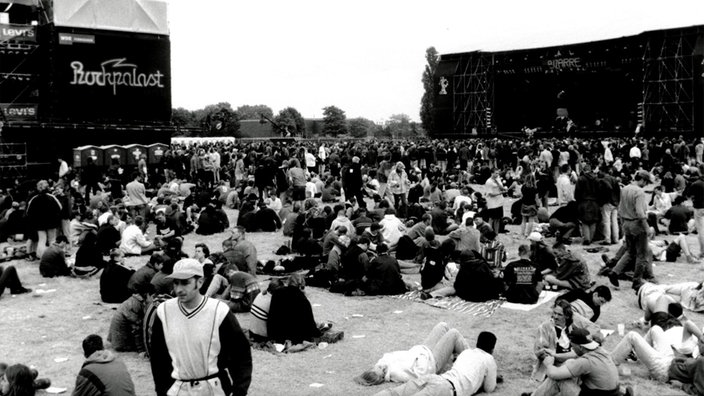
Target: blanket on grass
483 309
545 296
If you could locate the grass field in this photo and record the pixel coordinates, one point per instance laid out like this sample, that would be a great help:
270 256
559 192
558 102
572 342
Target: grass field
43 329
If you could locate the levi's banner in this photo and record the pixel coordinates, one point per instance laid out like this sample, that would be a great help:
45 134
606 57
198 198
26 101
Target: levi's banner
19 111
18 33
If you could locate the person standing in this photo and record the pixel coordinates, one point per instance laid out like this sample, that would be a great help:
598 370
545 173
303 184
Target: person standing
696 193
495 200
633 211
44 215
398 185
197 343
609 197
586 194
136 193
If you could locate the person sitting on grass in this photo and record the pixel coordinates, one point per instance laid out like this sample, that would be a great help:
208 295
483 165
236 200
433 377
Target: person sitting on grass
587 304
592 367
259 313
10 280
571 272
114 279
134 242
475 280
53 261
89 259
474 370
383 277
102 373
524 282
242 291
429 357
142 278
125 333
291 316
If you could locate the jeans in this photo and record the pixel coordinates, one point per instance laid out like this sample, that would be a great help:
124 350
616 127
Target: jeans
636 240
429 385
658 363
551 387
443 342
609 221
699 225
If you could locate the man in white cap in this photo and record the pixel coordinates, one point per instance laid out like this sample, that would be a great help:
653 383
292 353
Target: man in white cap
198 347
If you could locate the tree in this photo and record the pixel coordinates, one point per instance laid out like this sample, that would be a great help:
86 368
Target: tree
361 127
219 120
334 121
290 118
399 126
254 112
183 118
427 103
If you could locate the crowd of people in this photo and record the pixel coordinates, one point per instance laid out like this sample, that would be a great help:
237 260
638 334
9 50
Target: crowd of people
357 217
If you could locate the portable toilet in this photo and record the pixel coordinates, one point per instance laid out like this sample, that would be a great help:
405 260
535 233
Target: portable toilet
134 152
156 152
81 155
116 152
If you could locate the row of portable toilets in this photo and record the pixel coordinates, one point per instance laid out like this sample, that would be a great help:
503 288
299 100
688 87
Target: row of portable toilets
125 155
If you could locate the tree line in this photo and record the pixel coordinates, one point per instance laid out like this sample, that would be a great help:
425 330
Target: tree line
222 120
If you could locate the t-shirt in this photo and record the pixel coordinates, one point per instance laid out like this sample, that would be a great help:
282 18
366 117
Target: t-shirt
522 277
679 216
595 369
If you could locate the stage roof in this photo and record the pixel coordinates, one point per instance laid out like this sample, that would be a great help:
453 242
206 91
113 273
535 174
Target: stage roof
521 43
140 16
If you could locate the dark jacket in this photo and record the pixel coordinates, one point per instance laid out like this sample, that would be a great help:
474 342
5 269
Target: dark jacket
291 317
475 281
384 277
102 374
113 283
44 211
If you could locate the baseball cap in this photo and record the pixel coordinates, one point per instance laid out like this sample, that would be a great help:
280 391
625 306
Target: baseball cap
581 337
186 268
535 236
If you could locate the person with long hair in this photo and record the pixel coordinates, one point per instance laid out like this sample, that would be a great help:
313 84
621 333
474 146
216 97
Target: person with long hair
17 381
529 204
430 357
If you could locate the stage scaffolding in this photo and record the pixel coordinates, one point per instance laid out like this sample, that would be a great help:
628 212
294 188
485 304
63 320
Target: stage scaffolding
473 94
669 68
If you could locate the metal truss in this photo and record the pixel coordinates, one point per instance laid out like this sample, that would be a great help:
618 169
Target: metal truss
669 83
473 94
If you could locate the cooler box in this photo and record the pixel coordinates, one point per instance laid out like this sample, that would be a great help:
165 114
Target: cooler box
114 152
156 152
134 152
81 155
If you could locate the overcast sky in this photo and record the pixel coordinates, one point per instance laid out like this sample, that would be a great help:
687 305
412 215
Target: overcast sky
367 57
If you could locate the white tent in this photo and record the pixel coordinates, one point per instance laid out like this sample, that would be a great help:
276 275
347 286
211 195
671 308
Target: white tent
141 16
